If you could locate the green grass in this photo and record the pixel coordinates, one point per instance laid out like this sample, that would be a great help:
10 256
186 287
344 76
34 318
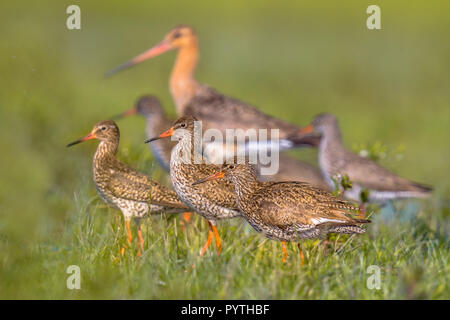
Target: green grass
412 255
295 59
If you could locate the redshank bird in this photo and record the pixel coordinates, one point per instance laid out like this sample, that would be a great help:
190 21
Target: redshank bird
122 187
287 211
157 121
367 177
215 201
151 109
216 110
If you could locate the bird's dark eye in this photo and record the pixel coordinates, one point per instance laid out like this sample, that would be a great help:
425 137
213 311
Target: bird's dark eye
183 125
103 128
176 35
231 167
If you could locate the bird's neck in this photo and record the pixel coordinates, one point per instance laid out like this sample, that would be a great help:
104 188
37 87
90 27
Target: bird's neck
182 82
245 186
157 123
187 151
106 150
330 148
331 139
161 147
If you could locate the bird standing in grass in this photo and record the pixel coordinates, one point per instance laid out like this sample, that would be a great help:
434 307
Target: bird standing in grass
151 109
214 202
216 110
369 180
133 192
287 211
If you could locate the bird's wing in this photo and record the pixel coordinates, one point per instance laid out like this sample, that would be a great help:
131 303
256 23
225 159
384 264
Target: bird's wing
297 203
297 170
224 196
225 112
372 176
126 183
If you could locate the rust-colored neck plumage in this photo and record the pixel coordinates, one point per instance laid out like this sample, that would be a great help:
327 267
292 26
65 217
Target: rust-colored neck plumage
182 82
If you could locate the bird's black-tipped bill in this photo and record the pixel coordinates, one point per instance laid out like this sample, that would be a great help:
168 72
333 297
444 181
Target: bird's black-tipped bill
307 130
165 134
122 67
216 176
90 136
153 52
125 114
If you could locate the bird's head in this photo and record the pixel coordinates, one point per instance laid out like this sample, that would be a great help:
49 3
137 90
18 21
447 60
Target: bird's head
321 124
182 128
179 37
106 131
146 106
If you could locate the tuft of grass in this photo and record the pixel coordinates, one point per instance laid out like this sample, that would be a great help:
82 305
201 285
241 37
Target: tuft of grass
412 257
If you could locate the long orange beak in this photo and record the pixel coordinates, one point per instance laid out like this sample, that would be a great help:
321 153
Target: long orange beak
165 134
125 114
307 129
216 176
160 48
90 136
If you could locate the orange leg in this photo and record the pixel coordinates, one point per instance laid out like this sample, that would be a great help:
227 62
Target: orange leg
209 241
301 254
141 242
187 217
363 210
218 240
285 252
130 237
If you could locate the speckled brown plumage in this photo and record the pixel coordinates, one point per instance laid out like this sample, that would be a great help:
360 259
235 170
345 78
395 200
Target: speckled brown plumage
289 211
215 202
131 191
365 174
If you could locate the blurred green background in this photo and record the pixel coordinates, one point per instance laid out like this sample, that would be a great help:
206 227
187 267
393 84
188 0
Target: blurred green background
292 59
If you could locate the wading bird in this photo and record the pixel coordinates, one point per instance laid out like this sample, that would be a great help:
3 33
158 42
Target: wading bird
286 211
213 202
367 177
122 187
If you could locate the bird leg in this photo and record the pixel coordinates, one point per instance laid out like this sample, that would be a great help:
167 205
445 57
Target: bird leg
209 241
285 252
301 253
141 238
218 240
187 217
363 210
130 236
